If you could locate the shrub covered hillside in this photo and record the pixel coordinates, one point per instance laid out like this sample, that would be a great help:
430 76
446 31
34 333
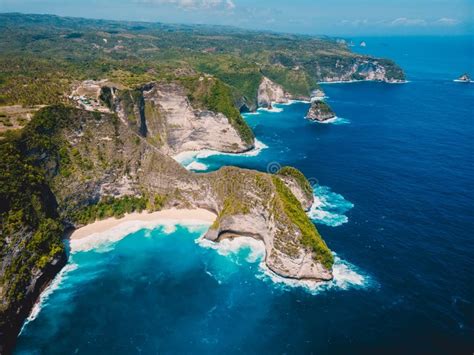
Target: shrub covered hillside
42 55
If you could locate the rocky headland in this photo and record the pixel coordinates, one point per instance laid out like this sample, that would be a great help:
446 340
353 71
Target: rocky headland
91 158
104 148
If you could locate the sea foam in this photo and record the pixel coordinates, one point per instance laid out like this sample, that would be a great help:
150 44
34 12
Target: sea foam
346 275
335 121
44 296
274 109
104 241
191 159
329 208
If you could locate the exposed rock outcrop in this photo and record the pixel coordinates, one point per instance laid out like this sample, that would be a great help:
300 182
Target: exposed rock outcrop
172 120
465 78
100 155
163 114
14 314
270 92
360 68
320 111
247 202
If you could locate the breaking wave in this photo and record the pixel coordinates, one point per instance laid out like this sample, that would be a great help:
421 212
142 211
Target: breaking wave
44 296
274 109
191 159
329 208
335 121
104 241
346 275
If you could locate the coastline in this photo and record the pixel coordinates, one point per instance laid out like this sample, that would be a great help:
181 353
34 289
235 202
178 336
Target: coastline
361 81
165 217
187 158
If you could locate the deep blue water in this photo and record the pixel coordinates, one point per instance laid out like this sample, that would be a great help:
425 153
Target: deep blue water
395 187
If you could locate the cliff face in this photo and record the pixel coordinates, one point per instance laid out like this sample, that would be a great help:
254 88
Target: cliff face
86 157
247 202
270 92
357 68
173 121
163 114
320 111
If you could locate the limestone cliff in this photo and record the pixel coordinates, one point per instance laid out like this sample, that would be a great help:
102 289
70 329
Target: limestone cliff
163 114
247 202
87 157
270 92
359 68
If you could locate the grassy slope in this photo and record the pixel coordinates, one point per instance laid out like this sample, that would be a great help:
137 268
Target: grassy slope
41 55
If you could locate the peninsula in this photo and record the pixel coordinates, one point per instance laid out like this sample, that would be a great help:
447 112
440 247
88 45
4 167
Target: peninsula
106 106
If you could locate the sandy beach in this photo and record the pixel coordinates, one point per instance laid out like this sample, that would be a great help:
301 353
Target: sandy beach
169 216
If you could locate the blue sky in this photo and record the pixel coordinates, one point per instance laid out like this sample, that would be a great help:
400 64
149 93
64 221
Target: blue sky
331 17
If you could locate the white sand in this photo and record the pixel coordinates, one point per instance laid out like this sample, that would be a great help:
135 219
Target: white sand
170 216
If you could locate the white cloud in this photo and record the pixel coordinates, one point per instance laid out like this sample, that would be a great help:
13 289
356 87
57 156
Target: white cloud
404 21
230 4
446 21
195 4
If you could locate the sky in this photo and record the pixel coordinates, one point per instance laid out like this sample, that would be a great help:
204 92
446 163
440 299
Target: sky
322 17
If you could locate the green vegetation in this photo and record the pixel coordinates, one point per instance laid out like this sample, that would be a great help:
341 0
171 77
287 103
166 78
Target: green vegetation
232 206
323 107
309 234
28 219
298 176
216 96
296 82
110 207
41 61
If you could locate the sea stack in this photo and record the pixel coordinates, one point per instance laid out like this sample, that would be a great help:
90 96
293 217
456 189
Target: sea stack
320 111
465 78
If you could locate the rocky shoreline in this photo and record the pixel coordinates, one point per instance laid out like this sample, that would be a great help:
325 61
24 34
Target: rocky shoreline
118 142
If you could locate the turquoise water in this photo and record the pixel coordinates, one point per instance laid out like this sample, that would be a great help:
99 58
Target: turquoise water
394 185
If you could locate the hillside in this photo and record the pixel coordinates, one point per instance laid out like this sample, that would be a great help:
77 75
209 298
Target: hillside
42 55
92 112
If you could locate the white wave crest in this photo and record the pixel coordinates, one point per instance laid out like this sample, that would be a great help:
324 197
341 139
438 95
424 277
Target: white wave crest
255 113
232 247
319 98
44 296
345 274
336 121
329 207
190 159
104 241
291 102
274 109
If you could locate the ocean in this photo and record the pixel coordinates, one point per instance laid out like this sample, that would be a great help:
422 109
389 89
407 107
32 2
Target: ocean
393 179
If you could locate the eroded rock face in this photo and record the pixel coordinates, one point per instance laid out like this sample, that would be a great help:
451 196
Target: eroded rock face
180 127
362 68
270 92
163 114
283 255
108 157
320 111
247 202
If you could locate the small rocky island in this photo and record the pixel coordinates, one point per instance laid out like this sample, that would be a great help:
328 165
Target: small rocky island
465 78
320 111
